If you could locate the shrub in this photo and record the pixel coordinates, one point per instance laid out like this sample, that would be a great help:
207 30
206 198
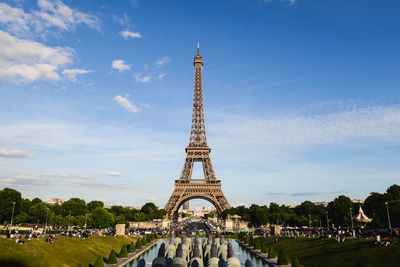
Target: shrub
131 247
264 248
257 243
138 244
112 259
99 262
271 253
282 258
251 241
123 253
296 262
143 242
247 240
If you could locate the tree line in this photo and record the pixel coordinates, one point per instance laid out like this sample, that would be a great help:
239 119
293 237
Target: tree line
338 211
75 212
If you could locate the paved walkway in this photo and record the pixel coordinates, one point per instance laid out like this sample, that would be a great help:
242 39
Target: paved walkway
131 256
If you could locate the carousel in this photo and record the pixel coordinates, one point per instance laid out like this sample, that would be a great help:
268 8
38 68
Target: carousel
361 218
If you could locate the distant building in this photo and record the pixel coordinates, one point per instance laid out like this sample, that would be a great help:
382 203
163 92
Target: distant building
357 201
321 203
185 205
55 201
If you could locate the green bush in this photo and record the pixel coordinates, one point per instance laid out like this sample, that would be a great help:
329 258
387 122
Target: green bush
264 248
138 244
112 259
296 262
271 253
131 247
143 242
251 241
123 253
99 262
282 258
257 243
247 240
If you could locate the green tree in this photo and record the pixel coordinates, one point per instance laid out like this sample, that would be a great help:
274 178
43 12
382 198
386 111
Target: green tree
7 197
38 212
100 217
374 207
112 259
95 204
124 252
258 215
340 210
296 262
99 262
76 206
282 258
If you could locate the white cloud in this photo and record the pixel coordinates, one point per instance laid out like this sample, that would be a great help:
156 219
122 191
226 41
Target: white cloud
16 154
50 14
140 78
162 75
163 61
129 34
30 61
289 2
114 174
125 103
71 74
120 65
145 105
374 123
124 20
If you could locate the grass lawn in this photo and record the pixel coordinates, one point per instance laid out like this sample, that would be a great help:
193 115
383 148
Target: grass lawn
65 252
330 253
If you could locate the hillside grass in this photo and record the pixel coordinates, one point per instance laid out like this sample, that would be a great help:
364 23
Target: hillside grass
66 251
330 253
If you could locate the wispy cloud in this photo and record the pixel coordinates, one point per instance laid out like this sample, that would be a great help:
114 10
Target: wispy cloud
162 75
114 174
289 2
375 123
304 193
143 79
120 65
163 61
71 74
122 20
125 103
16 154
129 34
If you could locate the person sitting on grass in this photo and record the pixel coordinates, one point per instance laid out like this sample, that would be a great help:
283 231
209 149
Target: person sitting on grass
19 240
48 240
378 240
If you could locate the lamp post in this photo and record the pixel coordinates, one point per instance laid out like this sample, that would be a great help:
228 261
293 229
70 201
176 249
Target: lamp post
352 224
85 221
327 221
388 216
45 226
12 215
69 219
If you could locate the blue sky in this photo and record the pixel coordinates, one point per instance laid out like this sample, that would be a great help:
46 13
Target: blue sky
301 97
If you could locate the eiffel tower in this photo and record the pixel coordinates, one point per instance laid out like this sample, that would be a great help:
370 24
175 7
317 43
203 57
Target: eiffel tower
187 188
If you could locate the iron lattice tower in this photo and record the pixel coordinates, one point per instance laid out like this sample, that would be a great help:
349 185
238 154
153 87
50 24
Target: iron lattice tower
187 188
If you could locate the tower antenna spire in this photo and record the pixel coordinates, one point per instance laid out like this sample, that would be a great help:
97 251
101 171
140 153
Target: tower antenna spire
198 47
